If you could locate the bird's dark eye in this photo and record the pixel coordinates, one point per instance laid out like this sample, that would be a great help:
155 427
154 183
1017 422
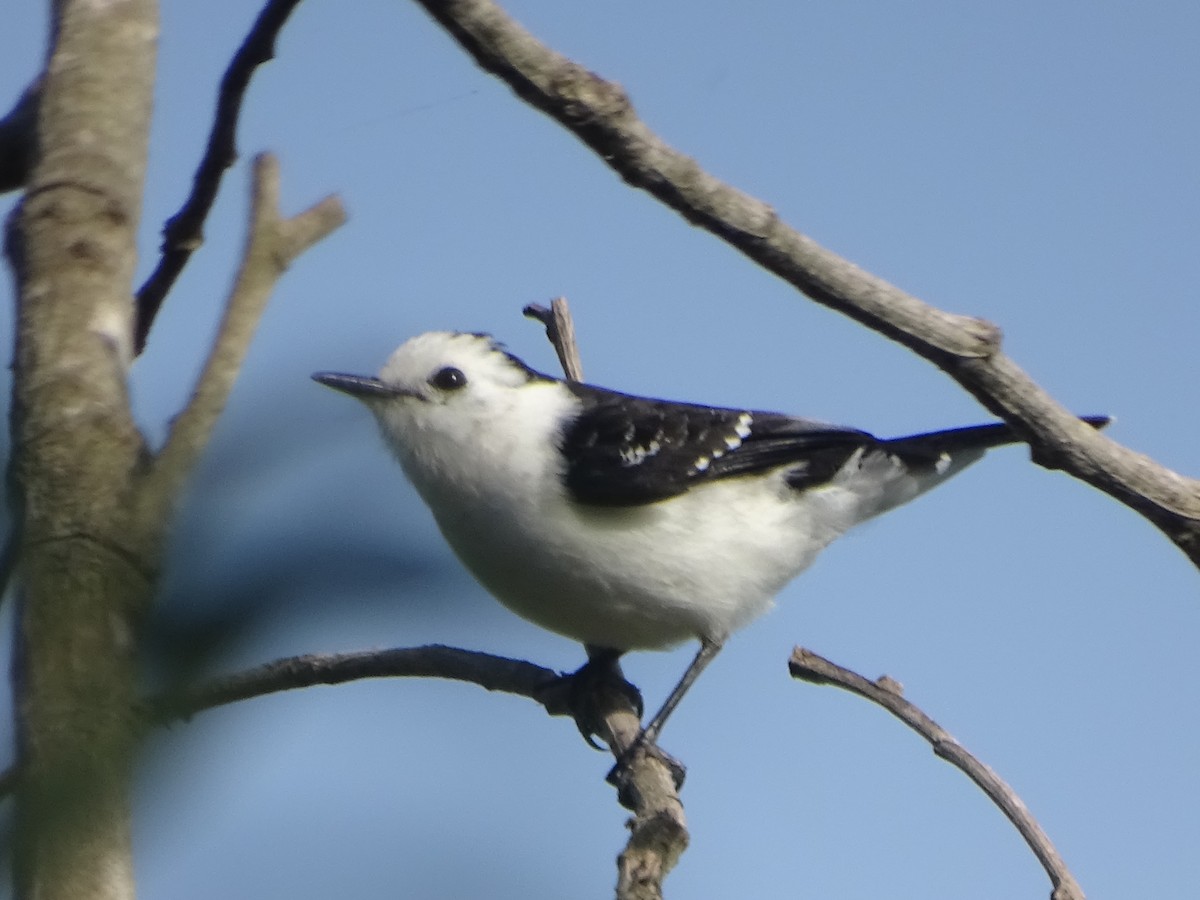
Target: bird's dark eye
448 379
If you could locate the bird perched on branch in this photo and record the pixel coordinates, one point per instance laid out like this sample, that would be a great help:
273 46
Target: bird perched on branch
629 523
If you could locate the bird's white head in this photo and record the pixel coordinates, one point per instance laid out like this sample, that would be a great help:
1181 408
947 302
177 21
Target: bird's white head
442 393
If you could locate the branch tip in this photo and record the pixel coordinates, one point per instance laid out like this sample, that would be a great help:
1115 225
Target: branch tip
809 666
560 331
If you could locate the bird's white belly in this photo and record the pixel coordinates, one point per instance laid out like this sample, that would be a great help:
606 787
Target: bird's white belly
700 565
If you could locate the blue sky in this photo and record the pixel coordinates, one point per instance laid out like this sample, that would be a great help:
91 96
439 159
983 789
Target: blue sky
1031 163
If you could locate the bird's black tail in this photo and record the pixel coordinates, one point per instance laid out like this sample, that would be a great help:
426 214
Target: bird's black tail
974 437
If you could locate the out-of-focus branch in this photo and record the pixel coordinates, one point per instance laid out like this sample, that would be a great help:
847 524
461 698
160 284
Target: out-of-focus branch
183 233
809 666
17 137
271 246
600 114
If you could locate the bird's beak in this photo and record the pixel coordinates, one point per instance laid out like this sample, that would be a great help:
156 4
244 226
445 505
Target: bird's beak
359 386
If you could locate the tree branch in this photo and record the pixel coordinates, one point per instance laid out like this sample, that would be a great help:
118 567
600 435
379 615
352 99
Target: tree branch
968 349
658 830
495 673
271 246
809 666
183 233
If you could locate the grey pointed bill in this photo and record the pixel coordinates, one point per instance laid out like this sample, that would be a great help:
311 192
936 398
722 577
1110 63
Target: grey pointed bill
355 385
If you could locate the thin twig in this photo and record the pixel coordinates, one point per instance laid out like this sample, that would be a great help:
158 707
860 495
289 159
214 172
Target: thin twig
183 233
968 349
272 244
560 331
809 666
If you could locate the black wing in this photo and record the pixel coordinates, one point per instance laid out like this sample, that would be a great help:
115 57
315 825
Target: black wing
626 451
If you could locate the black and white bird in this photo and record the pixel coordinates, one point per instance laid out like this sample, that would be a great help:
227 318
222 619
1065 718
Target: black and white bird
629 523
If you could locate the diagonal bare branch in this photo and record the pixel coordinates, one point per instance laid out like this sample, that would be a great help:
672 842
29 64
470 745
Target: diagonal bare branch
811 667
600 114
183 233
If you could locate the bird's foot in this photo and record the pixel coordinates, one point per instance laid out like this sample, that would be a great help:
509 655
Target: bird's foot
587 694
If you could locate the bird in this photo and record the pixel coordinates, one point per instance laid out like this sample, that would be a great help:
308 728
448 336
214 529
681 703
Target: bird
632 523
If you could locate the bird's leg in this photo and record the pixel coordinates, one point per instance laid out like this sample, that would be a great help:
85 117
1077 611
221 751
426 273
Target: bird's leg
707 652
647 739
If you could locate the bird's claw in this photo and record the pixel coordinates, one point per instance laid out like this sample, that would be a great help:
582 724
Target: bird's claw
619 776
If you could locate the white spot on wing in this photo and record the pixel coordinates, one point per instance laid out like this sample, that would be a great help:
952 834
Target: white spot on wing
632 456
635 456
701 464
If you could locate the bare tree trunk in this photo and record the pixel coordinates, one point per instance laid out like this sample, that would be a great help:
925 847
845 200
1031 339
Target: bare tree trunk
85 573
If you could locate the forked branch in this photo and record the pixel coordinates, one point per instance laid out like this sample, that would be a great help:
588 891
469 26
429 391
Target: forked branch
271 246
